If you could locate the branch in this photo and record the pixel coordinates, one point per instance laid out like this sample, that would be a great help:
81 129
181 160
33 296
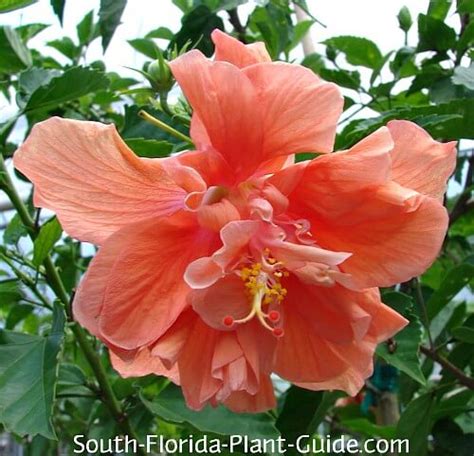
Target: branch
54 281
463 204
458 373
307 42
238 27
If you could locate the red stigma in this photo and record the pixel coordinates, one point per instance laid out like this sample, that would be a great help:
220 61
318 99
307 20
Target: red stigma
228 321
274 315
278 332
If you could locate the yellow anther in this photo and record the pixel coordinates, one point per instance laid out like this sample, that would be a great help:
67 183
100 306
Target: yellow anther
264 289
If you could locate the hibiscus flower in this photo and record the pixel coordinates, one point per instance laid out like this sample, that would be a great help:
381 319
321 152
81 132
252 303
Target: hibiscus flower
225 264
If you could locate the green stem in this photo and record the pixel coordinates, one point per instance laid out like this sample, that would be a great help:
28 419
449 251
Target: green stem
28 281
424 311
164 104
170 130
54 281
462 378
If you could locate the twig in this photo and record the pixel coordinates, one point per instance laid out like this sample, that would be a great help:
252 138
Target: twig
421 303
307 42
458 373
28 281
170 130
463 204
238 26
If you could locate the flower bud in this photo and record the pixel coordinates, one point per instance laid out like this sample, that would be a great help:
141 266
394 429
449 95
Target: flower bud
159 75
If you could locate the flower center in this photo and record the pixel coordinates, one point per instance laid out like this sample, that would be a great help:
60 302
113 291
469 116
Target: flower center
263 286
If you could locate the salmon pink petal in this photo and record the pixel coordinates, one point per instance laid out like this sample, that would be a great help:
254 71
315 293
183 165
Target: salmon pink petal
419 162
225 298
199 133
134 289
233 51
263 400
195 366
333 313
391 242
320 362
169 346
210 165
300 111
352 380
85 173
143 364
393 233
215 216
259 346
235 237
304 356
226 103
385 321
359 367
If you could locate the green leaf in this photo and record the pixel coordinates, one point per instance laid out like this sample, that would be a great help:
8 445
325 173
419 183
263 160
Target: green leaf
344 78
366 427
453 405
464 76
12 5
10 292
405 355
17 313
274 25
183 5
465 6
86 29
434 34
439 8
58 8
14 230
196 28
415 423
219 5
72 380
72 84
14 55
299 32
49 234
446 120
150 148
302 412
298 410
456 279
28 31
145 46
404 19
314 62
66 47
403 65
358 51
28 373
33 78
162 33
170 406
464 334
464 225
110 13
